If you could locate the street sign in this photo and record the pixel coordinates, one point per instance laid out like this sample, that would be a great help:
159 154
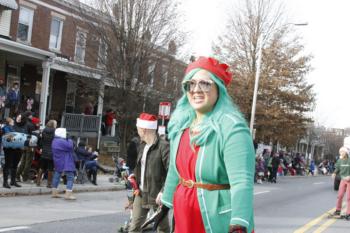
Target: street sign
164 110
161 130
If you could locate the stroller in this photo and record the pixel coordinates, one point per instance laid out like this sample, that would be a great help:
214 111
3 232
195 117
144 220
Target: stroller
35 166
120 167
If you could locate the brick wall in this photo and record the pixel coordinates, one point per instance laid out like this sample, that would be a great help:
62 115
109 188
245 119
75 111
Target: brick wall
42 26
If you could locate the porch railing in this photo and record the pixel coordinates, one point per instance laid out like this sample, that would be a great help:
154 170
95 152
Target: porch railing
81 125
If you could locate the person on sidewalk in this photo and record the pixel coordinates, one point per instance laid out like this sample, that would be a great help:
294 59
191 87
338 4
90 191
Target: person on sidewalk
212 159
63 159
2 97
88 158
12 157
273 164
132 151
342 167
13 99
46 162
150 173
25 125
110 116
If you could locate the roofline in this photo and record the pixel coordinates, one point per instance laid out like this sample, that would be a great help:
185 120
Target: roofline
25 50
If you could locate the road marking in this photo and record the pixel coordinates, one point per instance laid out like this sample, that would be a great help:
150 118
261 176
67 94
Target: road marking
313 222
325 225
14 228
319 183
257 193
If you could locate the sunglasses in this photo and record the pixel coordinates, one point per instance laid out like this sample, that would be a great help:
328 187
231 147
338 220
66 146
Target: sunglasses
203 85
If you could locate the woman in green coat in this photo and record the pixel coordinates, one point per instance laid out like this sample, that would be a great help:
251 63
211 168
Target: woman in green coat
212 161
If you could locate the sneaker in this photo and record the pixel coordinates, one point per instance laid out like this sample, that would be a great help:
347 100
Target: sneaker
336 213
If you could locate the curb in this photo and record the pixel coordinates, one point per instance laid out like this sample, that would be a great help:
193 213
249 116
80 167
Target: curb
294 177
32 191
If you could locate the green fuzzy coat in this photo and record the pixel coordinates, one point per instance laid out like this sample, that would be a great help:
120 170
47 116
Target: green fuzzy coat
226 158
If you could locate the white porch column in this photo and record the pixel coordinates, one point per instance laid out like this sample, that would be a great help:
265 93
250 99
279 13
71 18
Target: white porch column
44 91
101 94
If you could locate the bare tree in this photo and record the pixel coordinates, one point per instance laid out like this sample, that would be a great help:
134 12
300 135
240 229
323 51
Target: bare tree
284 96
138 41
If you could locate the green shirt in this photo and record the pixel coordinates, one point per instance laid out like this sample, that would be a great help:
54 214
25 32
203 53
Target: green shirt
342 167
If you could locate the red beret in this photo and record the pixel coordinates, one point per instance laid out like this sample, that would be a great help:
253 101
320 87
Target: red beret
212 65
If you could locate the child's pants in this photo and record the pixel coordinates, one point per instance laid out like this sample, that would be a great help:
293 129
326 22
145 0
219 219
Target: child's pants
343 187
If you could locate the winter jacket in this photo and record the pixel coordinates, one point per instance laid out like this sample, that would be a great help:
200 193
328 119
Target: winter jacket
227 157
157 162
62 151
47 137
13 97
131 153
83 154
109 118
2 90
342 167
21 127
7 129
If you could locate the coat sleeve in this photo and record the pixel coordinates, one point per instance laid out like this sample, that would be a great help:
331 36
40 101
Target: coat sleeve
171 181
165 158
239 159
67 145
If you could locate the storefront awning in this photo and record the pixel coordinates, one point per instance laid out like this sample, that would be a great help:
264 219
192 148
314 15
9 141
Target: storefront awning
9 4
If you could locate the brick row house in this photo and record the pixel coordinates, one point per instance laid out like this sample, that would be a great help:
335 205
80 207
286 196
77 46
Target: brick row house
45 47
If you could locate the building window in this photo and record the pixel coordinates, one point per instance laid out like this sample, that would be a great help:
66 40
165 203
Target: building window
56 34
102 55
25 24
80 45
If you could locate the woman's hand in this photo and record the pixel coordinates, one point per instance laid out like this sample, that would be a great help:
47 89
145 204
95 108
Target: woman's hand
237 229
158 199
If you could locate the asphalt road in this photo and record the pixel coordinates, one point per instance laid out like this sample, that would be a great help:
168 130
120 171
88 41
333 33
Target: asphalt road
294 204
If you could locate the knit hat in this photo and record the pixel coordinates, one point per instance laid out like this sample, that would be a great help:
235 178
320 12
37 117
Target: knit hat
61 132
343 149
212 65
35 120
147 121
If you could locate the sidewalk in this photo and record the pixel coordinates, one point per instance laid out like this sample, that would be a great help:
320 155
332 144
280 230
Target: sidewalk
103 184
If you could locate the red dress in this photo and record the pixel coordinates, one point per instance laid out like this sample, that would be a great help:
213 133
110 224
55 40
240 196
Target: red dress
188 218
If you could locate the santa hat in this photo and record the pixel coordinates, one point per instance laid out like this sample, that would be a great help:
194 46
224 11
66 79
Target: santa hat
214 66
61 132
147 121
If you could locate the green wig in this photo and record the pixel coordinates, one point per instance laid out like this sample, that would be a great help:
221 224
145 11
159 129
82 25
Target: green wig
184 114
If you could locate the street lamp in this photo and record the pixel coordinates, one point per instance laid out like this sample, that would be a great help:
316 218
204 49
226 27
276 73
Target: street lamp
257 77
